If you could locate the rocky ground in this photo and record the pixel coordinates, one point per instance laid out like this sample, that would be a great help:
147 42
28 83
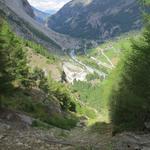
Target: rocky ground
16 133
132 141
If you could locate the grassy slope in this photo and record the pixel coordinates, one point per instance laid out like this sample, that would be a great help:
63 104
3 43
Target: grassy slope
31 102
95 95
112 49
48 65
54 69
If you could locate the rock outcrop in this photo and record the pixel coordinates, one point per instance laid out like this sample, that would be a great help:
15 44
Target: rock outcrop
28 8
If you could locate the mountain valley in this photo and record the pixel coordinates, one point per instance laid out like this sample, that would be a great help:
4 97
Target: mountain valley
74 80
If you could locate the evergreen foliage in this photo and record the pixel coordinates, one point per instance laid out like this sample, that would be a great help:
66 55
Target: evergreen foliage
12 59
130 86
41 50
18 81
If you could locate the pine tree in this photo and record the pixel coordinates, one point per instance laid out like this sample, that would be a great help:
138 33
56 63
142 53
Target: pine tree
12 59
130 94
5 76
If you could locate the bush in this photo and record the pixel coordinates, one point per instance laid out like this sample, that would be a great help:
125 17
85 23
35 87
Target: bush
38 110
68 122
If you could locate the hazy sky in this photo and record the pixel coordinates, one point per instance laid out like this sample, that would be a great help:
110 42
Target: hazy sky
48 4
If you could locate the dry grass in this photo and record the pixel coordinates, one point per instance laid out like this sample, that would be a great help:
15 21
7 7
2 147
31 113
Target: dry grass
39 61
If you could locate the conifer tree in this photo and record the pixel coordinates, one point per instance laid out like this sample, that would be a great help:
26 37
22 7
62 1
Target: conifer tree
130 94
5 75
12 59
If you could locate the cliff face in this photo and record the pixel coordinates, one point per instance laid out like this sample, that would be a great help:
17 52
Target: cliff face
96 19
28 8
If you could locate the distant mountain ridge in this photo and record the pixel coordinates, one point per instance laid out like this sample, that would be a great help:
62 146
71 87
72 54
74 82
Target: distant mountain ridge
50 11
40 16
96 19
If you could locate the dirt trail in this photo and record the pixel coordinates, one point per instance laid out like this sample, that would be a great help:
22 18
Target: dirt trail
53 139
102 51
17 135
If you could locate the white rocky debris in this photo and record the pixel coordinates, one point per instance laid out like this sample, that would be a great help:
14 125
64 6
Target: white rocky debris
87 68
74 72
